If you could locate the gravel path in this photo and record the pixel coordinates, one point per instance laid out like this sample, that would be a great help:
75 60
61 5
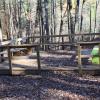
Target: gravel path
50 86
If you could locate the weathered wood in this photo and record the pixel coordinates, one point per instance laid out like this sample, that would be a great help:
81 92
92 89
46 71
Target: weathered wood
62 43
79 59
38 54
27 46
67 35
99 54
19 46
9 59
79 44
23 46
9 47
38 58
93 43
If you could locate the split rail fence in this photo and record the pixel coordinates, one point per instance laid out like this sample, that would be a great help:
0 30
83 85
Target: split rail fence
37 47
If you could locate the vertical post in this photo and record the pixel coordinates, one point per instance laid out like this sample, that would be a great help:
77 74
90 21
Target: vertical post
1 55
1 39
9 59
62 43
79 60
99 54
38 57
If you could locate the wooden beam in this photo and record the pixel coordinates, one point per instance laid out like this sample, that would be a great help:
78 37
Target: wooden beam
9 59
79 59
38 58
23 45
67 35
99 54
88 43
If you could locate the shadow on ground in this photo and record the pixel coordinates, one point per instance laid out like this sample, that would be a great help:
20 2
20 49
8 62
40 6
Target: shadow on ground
49 86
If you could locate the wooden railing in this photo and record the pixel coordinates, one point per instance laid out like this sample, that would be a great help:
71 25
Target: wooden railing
37 46
63 39
9 47
79 46
67 35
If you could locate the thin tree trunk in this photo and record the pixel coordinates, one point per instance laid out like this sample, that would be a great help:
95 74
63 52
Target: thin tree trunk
46 24
1 39
0 32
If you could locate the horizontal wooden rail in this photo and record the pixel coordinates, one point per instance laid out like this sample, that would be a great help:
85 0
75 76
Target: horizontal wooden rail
79 44
19 46
67 35
64 44
88 43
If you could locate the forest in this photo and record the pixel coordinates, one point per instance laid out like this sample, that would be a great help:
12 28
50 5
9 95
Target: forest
29 18
49 49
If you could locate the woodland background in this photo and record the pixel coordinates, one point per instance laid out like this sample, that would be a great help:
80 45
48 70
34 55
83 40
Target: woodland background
24 18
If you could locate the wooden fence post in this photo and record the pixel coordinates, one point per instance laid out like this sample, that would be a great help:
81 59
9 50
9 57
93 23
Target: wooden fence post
9 58
79 60
38 57
62 43
99 53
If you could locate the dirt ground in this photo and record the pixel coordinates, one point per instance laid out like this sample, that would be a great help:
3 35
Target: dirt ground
61 59
50 86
